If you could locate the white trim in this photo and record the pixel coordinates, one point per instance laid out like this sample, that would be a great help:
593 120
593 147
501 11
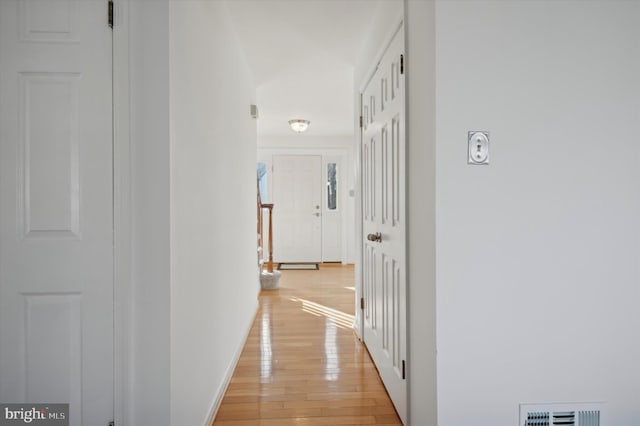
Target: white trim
359 318
340 159
265 155
215 406
122 218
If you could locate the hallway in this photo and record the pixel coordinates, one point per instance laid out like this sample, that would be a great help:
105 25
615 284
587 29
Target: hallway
302 363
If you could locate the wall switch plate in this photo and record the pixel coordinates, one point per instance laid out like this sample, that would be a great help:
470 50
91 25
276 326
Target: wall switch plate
478 152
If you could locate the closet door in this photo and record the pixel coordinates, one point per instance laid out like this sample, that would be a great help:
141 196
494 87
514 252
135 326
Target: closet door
56 206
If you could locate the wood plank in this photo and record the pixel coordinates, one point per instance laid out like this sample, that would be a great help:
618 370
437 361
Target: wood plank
302 363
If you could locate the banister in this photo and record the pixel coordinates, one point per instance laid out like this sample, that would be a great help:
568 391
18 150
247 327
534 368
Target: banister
270 262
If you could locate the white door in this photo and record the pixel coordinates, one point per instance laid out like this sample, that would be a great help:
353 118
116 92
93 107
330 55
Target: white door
383 199
332 208
297 208
56 211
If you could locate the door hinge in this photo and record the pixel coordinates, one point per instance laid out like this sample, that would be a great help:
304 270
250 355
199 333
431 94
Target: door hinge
401 64
110 14
403 370
362 303
361 122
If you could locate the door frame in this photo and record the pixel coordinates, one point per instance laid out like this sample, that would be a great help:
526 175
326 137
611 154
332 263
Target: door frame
122 205
360 246
122 217
265 155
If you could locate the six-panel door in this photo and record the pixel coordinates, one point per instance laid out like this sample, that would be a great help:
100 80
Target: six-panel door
56 208
383 201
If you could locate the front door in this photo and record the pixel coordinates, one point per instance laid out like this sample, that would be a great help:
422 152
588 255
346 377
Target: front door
383 203
297 208
56 206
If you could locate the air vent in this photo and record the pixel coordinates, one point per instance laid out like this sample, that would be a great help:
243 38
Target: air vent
540 418
589 418
562 414
564 418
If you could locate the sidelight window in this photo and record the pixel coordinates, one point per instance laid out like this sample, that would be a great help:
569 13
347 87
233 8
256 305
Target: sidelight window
262 182
332 186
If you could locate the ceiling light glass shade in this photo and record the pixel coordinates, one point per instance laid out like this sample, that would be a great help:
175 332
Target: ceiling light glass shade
298 125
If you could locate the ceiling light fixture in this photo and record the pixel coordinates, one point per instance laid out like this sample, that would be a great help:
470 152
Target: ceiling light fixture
298 125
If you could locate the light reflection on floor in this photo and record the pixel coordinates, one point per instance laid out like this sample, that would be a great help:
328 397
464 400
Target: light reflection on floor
302 363
340 318
266 351
332 366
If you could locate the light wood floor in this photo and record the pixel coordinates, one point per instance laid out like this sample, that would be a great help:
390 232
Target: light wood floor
302 364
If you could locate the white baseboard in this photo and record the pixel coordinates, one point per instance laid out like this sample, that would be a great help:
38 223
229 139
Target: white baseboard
229 373
356 331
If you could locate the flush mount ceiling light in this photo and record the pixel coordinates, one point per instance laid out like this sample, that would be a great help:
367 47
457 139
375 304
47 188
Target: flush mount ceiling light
298 125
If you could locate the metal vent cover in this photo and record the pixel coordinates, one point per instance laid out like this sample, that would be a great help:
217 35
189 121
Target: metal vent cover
563 414
537 418
567 418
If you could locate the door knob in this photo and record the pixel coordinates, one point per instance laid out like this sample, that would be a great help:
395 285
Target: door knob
377 237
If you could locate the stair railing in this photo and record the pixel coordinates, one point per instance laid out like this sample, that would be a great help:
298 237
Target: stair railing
261 208
270 262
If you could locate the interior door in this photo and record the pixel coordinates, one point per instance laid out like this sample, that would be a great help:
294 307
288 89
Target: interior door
56 211
297 208
383 199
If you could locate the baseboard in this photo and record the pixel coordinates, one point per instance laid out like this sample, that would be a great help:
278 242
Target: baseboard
232 366
356 330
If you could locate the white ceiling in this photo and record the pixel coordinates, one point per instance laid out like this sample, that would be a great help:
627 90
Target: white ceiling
302 54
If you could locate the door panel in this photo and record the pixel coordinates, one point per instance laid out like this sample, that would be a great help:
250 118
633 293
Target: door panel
297 208
383 198
56 208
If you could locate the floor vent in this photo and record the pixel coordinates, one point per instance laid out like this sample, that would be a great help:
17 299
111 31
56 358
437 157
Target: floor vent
565 414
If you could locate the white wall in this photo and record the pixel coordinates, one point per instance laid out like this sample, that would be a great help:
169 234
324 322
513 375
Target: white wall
214 282
149 133
316 88
303 140
538 279
386 18
421 211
